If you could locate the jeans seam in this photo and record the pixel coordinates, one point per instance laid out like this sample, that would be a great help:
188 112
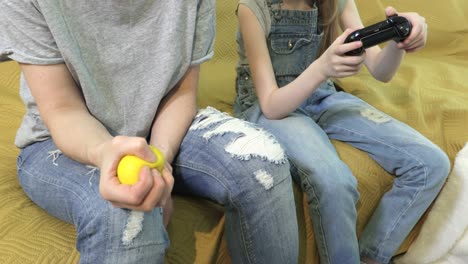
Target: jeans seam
202 170
63 187
246 244
317 208
51 183
108 238
413 199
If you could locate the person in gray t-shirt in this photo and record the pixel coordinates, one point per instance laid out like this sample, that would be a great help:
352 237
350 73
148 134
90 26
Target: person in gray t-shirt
105 79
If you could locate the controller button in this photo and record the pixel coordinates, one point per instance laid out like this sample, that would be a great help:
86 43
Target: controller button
404 30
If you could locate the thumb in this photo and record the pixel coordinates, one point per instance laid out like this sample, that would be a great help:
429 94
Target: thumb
340 39
146 154
144 184
390 11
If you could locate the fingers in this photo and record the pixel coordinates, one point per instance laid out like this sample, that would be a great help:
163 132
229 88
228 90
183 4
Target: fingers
168 209
390 11
168 179
110 187
352 61
347 71
349 65
349 62
342 70
418 36
157 196
341 38
152 197
166 200
156 193
134 146
130 195
152 188
415 41
336 63
341 47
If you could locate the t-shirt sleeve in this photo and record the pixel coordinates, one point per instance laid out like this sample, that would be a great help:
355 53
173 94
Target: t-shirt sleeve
24 34
261 11
341 5
205 32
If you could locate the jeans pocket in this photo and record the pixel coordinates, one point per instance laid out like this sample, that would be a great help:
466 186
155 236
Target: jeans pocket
292 53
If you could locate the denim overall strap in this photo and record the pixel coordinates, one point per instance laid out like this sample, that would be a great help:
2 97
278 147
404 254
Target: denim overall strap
294 41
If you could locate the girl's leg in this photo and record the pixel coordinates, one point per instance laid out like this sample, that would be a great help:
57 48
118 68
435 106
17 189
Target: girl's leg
243 168
330 186
69 191
419 166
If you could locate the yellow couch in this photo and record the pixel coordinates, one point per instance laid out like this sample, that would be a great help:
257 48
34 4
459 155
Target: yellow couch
429 93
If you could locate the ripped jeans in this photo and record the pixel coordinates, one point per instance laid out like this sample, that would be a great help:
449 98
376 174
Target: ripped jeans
419 166
221 158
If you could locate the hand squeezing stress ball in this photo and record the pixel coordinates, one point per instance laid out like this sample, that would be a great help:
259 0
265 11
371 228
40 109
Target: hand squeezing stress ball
128 170
129 166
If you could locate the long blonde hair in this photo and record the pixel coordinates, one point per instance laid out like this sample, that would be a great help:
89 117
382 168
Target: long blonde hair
328 12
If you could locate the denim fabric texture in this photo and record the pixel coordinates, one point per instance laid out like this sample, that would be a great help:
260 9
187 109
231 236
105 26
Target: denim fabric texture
217 160
419 166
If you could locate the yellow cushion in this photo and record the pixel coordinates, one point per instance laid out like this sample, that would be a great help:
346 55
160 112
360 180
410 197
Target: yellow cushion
428 93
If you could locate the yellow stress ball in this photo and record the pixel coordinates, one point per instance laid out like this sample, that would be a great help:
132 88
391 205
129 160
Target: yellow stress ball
129 166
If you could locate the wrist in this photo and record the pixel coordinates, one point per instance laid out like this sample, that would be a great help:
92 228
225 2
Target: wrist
166 150
95 153
396 47
317 70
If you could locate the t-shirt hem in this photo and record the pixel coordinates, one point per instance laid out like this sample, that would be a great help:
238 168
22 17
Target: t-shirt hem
21 58
203 59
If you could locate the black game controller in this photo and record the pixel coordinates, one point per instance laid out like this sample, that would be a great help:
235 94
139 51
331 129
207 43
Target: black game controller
394 27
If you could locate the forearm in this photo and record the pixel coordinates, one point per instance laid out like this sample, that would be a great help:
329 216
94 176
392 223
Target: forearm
175 115
287 99
170 127
384 63
61 106
77 134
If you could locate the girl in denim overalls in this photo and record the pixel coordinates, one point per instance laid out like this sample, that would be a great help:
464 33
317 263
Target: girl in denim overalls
282 40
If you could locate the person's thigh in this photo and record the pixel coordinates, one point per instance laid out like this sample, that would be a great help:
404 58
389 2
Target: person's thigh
242 167
231 154
388 141
330 186
312 155
69 191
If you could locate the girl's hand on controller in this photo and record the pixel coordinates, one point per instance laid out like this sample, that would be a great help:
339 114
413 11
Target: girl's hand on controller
334 62
150 188
418 36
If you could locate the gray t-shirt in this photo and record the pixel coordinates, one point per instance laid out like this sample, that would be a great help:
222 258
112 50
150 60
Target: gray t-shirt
125 56
261 11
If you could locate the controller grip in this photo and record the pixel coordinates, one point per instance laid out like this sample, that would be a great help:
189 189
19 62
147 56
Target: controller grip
395 27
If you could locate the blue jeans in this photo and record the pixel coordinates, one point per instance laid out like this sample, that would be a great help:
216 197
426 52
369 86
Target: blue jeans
221 158
419 166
